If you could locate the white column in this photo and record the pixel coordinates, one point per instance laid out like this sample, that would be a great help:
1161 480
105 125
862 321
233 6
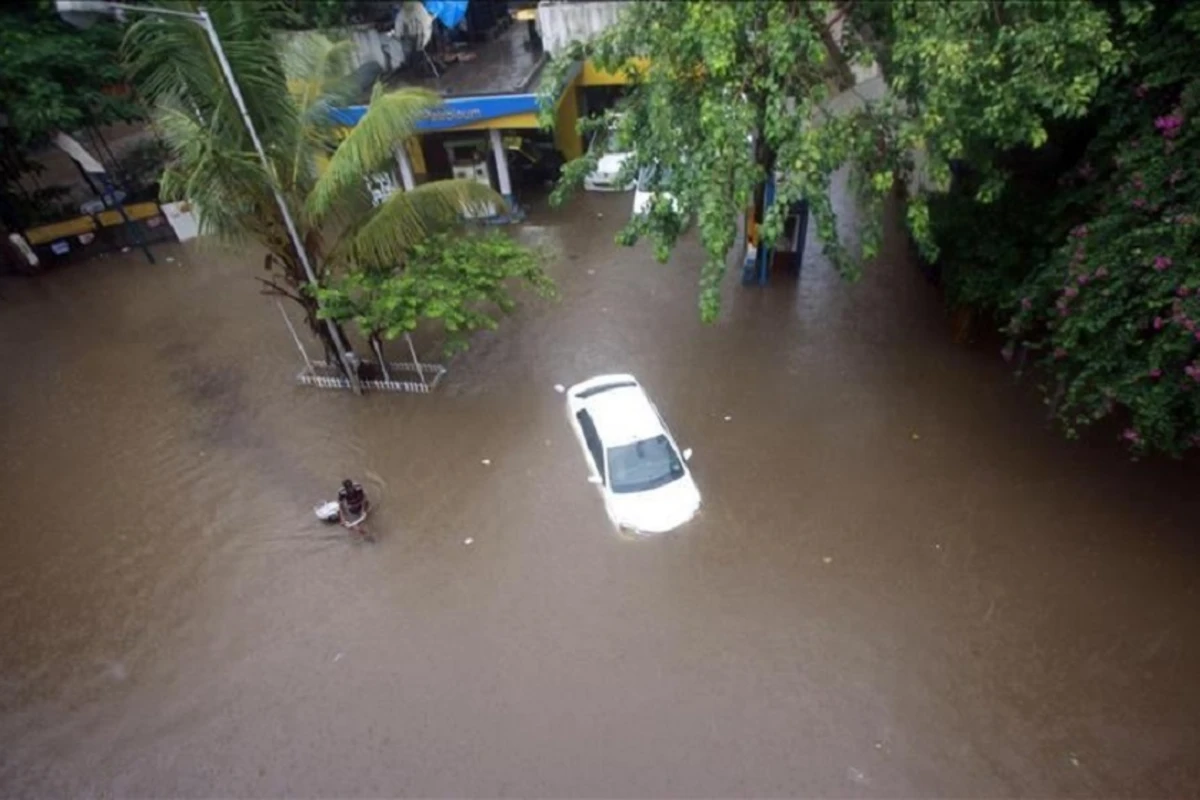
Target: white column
501 165
405 165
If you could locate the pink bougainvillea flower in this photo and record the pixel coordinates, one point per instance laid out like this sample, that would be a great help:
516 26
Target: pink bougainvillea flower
1175 176
1138 182
1079 231
1156 373
1158 323
1162 262
1083 279
1102 272
1026 303
1189 324
1183 291
1131 436
1139 202
1169 125
1071 291
1192 371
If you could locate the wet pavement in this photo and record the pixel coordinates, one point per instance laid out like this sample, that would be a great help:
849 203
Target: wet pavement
901 583
503 64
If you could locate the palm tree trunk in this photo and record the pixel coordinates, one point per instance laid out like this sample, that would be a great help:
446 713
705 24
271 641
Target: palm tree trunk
283 256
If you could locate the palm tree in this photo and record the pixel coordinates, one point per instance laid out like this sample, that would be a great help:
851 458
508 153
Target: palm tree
290 88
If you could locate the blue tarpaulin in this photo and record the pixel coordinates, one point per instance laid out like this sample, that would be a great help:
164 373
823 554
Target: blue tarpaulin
448 12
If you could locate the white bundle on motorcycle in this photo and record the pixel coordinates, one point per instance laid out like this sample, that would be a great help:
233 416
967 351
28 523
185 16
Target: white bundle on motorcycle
327 512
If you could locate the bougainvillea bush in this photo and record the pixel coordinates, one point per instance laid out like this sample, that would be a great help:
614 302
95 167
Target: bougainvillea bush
1111 319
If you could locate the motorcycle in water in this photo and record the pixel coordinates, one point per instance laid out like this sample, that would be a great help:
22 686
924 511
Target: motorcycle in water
331 512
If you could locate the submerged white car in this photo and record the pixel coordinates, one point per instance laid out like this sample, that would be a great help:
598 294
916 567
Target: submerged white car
631 456
604 178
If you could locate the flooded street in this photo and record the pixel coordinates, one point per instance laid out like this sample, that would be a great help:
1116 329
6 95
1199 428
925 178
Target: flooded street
901 582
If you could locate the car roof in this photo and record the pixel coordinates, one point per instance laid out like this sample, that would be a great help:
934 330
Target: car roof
623 416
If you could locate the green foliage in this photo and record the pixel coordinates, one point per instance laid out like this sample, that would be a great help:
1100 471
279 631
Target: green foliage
459 281
316 13
735 92
289 86
52 77
382 266
1111 315
370 145
986 248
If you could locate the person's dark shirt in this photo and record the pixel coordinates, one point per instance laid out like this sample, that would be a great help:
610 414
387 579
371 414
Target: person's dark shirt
353 497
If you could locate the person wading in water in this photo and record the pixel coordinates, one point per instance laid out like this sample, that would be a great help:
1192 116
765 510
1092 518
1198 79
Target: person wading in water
353 506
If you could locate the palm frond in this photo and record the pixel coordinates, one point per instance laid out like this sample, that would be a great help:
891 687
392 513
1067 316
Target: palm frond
227 186
407 218
172 61
316 67
390 119
317 72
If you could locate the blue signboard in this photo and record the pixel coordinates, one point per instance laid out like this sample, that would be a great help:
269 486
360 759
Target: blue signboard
455 112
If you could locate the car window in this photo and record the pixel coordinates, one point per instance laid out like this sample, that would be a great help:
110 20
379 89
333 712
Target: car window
653 178
605 142
605 387
646 178
643 465
599 139
592 439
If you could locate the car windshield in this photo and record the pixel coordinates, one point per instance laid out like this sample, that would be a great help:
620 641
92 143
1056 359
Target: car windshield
653 178
643 465
605 141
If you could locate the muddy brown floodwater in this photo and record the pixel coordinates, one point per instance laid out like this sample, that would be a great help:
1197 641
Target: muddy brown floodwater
901 583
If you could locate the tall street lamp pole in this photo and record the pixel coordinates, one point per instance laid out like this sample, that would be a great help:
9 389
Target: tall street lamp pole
81 12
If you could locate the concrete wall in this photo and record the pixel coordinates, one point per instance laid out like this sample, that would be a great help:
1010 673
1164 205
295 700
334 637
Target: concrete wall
561 23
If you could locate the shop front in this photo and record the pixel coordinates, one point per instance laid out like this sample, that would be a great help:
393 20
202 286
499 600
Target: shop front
493 139
496 139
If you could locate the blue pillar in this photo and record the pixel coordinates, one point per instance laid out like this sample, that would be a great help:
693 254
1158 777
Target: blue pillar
765 249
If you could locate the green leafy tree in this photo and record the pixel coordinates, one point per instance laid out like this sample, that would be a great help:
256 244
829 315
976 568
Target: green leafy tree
289 90
736 92
52 78
457 281
315 13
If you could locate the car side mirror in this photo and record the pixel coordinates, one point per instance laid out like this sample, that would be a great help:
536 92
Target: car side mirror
595 479
687 454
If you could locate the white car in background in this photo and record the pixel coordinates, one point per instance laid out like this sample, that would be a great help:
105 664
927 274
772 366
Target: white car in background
642 474
649 186
608 168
